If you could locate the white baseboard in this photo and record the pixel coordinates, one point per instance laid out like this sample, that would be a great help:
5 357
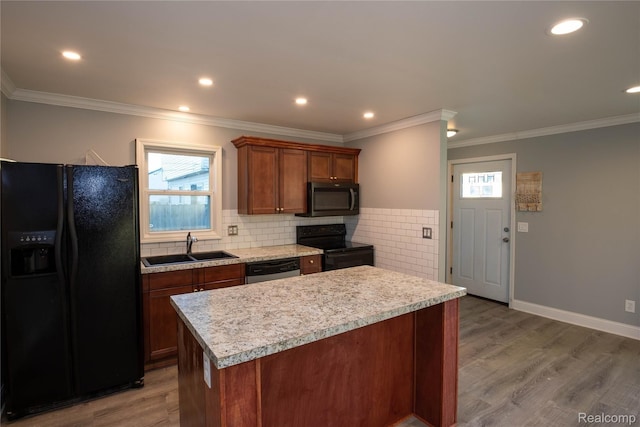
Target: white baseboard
604 325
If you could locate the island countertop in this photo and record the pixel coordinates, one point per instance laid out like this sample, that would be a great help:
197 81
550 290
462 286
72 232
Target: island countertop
243 323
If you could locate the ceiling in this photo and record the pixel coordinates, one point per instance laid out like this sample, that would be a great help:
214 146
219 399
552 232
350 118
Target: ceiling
491 62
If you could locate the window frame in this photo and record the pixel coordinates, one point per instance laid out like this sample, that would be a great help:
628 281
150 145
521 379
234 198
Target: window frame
143 146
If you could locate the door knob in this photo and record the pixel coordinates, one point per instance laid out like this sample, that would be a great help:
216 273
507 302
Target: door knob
505 239
506 229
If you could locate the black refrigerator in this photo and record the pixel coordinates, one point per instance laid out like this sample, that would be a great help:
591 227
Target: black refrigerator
71 300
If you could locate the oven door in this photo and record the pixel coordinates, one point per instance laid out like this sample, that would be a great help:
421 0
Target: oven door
334 260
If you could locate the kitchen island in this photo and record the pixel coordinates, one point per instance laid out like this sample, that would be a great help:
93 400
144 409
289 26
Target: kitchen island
360 346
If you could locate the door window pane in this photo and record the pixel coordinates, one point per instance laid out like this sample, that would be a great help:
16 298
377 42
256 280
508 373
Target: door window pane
481 185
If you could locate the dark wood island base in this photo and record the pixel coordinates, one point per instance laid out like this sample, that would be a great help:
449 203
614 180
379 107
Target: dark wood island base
375 375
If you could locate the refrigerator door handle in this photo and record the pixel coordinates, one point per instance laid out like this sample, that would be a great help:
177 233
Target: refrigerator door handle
59 225
73 235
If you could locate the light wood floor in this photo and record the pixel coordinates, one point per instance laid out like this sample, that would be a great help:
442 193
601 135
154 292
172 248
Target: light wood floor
516 370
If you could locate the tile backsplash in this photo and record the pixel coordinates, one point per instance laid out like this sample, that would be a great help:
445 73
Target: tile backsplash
397 237
395 233
253 231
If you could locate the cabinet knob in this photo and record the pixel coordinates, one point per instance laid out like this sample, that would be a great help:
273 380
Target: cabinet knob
310 261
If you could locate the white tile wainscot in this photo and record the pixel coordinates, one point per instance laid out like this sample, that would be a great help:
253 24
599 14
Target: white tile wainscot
254 231
397 237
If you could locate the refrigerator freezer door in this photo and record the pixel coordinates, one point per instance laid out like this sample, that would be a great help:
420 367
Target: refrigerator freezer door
36 357
105 289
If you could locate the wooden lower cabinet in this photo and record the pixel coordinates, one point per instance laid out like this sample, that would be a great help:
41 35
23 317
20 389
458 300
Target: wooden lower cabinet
160 319
162 323
310 264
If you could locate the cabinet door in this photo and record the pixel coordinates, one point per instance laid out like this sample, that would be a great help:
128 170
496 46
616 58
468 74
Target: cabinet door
263 180
162 322
221 284
310 264
293 181
169 279
222 276
320 168
344 167
332 167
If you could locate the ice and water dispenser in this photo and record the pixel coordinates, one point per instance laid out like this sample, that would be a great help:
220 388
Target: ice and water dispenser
32 252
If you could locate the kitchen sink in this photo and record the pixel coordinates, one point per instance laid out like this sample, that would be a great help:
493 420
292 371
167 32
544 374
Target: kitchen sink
203 256
184 258
166 259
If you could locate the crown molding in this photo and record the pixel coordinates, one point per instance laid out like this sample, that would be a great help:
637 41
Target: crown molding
11 92
420 119
6 85
157 113
553 130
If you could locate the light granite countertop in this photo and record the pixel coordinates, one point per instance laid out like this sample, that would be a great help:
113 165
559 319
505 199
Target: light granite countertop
242 323
264 253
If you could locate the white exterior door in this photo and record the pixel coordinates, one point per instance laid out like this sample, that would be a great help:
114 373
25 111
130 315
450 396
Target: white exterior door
481 232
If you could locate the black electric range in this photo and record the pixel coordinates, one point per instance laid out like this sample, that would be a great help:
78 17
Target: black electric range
338 252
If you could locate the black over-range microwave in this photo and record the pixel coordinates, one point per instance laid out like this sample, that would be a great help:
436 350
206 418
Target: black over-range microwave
332 199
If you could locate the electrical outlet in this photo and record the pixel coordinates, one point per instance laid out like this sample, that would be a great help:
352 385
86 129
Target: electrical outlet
630 306
426 232
232 230
206 362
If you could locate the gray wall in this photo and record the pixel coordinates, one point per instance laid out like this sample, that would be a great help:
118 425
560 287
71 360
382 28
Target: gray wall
401 169
582 252
52 134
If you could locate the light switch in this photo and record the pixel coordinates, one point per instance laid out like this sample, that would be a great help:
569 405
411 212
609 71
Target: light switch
523 227
426 232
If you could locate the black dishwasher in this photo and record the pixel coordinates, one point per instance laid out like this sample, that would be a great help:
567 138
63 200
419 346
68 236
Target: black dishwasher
261 271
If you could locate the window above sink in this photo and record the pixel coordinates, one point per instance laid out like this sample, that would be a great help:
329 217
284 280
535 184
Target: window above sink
180 190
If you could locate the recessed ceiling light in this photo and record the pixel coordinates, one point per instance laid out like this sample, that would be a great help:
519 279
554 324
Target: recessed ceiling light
183 108
451 132
568 26
635 89
301 101
205 81
368 115
74 56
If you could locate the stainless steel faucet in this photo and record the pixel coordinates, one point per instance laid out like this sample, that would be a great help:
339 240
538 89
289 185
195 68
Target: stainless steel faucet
190 241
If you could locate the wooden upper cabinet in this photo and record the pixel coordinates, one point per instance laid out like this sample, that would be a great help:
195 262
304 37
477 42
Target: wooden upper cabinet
333 167
292 189
271 180
262 176
273 174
